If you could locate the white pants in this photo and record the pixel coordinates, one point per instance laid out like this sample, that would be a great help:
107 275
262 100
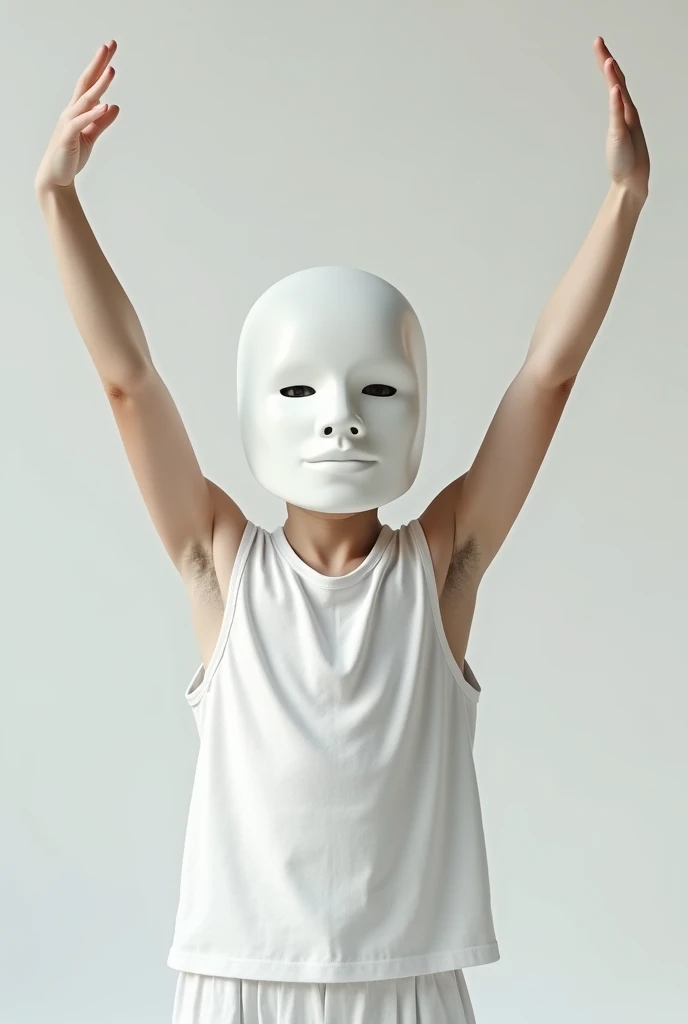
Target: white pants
423 999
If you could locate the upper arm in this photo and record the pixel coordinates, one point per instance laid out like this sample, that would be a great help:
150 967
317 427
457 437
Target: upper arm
478 509
182 504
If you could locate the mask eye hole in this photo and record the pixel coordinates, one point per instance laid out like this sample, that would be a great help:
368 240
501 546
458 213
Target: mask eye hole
380 390
297 391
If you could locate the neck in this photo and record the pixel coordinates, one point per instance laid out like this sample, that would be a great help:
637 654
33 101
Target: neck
333 543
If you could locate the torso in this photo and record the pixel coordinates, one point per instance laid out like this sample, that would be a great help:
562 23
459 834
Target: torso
207 583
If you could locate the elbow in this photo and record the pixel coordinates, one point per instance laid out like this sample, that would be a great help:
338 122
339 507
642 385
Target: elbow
122 384
551 376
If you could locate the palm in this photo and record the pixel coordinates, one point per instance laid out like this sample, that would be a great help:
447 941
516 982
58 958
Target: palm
84 152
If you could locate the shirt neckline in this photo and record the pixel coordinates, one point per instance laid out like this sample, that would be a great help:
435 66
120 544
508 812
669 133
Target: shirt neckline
332 582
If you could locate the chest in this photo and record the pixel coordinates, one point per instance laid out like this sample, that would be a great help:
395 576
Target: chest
339 626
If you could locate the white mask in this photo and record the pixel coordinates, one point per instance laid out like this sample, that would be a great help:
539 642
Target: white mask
331 365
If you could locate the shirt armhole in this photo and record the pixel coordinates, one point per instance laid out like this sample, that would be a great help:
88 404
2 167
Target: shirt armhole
466 679
201 678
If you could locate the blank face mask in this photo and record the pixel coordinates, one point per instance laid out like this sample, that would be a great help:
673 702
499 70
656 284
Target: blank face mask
331 390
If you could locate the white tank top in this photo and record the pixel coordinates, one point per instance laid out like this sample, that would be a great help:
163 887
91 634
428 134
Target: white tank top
334 830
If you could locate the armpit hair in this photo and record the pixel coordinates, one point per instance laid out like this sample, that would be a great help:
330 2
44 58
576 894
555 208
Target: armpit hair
461 567
201 572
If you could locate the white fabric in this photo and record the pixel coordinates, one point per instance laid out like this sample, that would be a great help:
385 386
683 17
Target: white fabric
331 364
425 999
334 832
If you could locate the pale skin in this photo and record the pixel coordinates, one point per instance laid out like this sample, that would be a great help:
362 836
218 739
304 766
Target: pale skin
199 524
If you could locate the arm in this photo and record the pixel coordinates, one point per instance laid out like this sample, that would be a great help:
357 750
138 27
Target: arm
484 503
102 312
181 502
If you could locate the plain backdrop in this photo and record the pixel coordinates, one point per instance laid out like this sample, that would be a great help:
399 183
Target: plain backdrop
457 151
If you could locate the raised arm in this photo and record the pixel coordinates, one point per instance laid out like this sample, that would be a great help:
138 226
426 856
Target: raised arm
181 502
480 507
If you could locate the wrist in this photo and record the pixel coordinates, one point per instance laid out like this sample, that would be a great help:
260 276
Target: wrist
45 191
631 198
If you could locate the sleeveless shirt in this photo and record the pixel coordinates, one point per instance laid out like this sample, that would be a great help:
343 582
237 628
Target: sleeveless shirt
334 830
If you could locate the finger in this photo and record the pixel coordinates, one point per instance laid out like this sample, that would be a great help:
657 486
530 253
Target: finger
608 66
602 51
604 55
617 122
75 125
92 95
97 127
86 79
103 56
615 76
606 60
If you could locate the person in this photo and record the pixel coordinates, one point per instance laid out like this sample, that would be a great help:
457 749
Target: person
334 865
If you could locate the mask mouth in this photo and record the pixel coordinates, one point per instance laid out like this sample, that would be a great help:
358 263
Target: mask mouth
337 455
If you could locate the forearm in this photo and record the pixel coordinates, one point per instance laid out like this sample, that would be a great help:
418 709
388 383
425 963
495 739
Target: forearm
101 309
571 319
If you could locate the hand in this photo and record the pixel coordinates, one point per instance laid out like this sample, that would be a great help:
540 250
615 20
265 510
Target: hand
627 156
79 124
